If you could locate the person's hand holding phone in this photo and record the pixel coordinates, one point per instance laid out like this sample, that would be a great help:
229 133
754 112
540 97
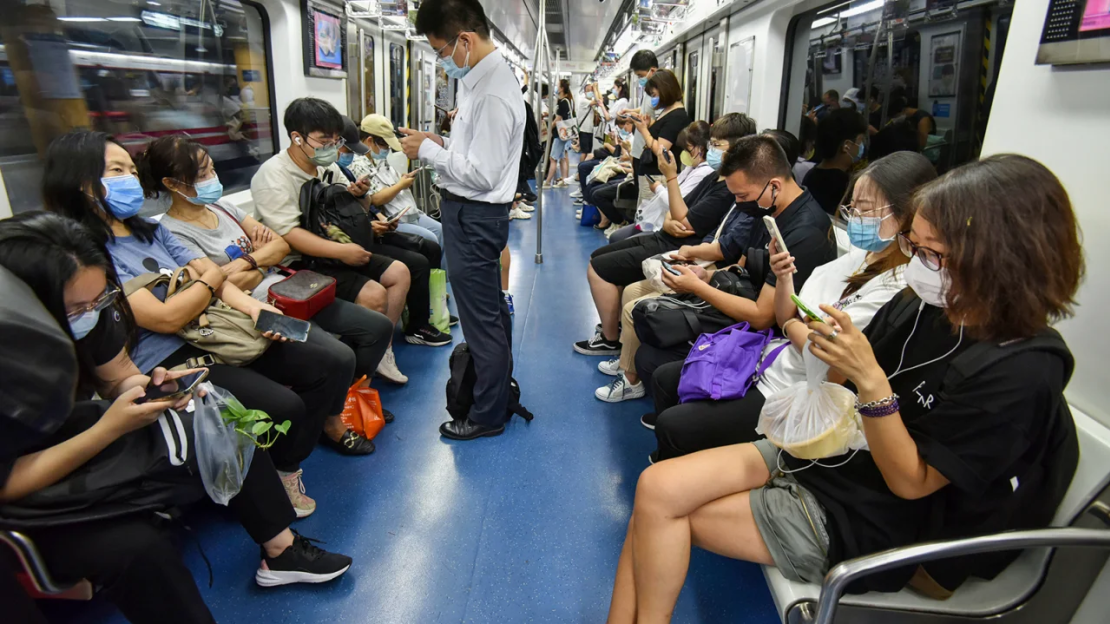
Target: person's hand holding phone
381 228
668 166
841 345
685 282
126 414
359 187
270 335
782 263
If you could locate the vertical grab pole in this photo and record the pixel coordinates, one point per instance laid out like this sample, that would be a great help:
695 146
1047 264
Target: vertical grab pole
541 168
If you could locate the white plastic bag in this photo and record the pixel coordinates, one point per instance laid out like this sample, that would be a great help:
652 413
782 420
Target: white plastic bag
223 454
812 419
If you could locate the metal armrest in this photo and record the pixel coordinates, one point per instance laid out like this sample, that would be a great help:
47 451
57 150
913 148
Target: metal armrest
32 562
848 572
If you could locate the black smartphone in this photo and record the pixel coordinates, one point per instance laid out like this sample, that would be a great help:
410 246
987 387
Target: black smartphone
173 389
667 157
291 328
670 269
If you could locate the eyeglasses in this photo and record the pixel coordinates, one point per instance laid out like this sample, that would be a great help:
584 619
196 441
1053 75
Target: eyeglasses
719 144
454 39
848 211
931 259
336 143
103 301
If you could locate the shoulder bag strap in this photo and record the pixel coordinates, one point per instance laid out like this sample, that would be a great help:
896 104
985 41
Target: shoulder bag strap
139 282
721 228
232 217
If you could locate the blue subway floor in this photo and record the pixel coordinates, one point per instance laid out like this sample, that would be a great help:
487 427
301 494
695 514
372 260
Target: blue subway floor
525 527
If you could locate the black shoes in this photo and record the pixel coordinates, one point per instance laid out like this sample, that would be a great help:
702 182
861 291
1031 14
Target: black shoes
429 336
648 420
598 345
351 443
387 415
302 562
453 322
468 430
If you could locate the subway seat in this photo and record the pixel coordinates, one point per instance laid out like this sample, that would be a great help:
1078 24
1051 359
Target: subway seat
978 597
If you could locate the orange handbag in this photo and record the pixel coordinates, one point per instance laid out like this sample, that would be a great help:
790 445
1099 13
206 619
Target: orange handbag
362 413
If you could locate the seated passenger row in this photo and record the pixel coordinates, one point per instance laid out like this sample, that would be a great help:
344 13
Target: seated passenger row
104 274
936 320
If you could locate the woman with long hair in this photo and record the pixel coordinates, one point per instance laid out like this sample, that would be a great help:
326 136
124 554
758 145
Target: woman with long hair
127 555
994 259
91 179
561 137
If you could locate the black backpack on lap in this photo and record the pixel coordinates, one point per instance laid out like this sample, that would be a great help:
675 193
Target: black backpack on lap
460 388
331 212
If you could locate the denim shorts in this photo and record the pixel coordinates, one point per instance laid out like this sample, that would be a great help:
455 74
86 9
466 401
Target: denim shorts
791 522
558 148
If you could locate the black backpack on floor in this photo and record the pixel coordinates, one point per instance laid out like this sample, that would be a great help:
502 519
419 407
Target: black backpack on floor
460 388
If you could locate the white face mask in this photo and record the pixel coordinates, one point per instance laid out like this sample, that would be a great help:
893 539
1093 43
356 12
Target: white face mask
932 286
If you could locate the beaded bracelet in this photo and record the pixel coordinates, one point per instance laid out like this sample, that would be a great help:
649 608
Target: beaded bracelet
878 409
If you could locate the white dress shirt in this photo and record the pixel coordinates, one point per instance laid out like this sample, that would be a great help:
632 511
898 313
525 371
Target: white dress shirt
481 159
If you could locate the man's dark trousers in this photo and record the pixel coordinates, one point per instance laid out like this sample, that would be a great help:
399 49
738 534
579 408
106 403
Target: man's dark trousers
474 234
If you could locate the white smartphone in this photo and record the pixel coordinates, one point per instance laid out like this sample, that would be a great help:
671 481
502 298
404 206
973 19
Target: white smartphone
773 228
397 216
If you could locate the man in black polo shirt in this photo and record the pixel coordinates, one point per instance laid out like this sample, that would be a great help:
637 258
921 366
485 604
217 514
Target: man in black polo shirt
758 174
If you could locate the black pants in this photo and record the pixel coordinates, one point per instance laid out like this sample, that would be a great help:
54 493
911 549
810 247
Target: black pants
584 169
605 196
699 425
136 563
649 359
622 263
302 382
475 235
366 332
420 256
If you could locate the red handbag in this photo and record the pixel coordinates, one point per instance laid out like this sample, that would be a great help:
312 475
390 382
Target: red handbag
302 294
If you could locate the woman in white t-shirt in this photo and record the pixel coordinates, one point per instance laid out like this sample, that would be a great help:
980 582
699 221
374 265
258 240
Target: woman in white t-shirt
858 283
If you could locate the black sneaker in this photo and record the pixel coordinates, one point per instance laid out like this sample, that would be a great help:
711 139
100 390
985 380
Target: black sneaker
454 320
387 416
648 420
302 562
429 336
598 345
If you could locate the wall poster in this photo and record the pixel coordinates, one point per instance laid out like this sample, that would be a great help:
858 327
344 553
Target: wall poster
324 38
944 63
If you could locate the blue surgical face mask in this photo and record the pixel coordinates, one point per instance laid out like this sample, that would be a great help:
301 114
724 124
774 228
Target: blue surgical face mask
124 196
859 154
643 82
450 68
714 157
82 325
346 159
207 192
381 154
655 102
625 134
863 232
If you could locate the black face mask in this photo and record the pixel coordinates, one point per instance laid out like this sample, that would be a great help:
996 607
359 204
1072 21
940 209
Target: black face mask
753 208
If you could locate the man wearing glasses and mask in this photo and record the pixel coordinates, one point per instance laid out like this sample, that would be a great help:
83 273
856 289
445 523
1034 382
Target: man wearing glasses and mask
477 170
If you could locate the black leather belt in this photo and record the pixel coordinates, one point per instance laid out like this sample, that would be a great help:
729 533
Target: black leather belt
449 196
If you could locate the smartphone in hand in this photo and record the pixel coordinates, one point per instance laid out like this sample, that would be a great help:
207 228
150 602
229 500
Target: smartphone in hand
773 229
813 316
174 389
291 328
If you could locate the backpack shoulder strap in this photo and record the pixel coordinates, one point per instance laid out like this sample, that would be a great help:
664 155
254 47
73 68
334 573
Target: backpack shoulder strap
983 355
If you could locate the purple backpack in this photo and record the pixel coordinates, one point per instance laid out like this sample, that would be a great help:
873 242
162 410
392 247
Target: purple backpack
722 366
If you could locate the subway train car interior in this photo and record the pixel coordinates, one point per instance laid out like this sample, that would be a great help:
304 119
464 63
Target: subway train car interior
554 311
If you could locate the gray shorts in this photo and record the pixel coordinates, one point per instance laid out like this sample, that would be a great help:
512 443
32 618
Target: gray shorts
791 522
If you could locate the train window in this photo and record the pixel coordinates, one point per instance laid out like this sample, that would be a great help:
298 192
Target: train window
397 85
138 73
910 73
716 76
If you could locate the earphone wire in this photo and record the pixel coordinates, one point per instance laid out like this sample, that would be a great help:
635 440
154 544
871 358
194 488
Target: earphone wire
902 359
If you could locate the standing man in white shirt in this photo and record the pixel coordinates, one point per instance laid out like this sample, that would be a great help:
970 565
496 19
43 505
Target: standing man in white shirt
477 170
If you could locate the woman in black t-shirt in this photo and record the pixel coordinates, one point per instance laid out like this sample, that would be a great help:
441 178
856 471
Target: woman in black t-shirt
671 118
562 135
74 281
980 274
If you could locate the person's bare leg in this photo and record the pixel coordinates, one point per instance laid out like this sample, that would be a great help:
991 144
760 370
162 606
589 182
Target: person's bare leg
566 167
632 377
506 262
372 296
622 607
277 545
607 299
667 496
396 280
552 167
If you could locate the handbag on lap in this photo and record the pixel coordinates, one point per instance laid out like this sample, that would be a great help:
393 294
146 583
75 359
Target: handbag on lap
302 294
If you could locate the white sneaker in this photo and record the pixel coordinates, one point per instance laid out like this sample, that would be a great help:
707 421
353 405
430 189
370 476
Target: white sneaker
578 214
611 229
517 213
571 180
611 367
526 207
578 201
387 369
620 390
576 193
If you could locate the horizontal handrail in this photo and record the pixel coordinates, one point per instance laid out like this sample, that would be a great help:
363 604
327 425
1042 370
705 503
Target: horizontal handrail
843 574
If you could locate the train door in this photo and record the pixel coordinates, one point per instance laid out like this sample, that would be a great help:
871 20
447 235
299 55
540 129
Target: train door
362 72
713 52
692 76
423 96
396 56
738 89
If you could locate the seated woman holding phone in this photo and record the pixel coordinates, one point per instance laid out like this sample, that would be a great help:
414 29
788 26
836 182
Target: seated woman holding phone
91 179
879 206
985 270
62 454
247 253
